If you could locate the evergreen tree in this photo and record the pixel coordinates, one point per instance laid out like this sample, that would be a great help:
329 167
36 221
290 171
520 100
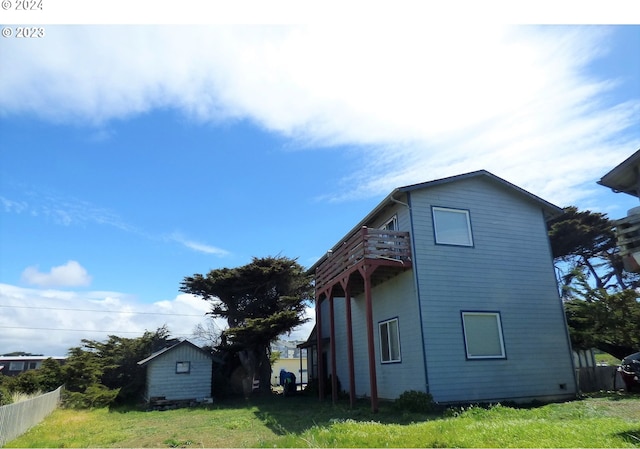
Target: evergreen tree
600 298
260 301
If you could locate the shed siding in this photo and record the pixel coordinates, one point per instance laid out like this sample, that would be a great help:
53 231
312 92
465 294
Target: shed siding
162 379
508 270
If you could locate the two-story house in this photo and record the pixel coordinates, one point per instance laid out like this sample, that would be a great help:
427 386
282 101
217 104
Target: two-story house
446 287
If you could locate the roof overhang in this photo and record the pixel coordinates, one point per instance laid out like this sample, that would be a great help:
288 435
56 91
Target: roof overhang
397 195
624 178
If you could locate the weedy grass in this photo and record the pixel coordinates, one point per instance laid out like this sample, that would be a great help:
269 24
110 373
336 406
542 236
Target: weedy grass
611 421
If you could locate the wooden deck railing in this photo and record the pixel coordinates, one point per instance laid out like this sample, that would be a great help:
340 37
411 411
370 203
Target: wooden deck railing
392 247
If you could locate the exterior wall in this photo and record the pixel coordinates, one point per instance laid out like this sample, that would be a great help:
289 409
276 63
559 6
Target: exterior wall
12 366
508 270
394 299
162 379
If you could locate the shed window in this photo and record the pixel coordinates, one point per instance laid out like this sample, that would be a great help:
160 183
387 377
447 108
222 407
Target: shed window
183 367
483 337
452 226
389 341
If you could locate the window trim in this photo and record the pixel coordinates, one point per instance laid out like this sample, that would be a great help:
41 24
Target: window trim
394 220
467 214
498 320
180 367
389 345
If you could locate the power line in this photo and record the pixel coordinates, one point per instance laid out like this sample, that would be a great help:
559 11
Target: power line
101 311
76 330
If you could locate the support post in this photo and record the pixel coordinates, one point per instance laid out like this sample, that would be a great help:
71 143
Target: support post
319 346
352 376
371 349
332 345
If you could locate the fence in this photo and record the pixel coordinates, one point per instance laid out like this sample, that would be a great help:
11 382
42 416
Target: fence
598 378
16 419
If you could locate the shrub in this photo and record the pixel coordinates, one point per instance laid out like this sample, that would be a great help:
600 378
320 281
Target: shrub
415 401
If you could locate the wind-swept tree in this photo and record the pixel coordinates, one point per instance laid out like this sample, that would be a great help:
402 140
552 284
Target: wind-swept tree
260 301
600 300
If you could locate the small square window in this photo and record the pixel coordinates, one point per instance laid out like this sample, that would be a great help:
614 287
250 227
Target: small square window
452 226
483 337
183 367
389 341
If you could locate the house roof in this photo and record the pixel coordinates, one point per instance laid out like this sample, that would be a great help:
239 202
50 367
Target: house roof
625 176
171 348
550 210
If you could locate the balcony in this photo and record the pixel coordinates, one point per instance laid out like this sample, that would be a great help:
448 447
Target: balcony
383 253
628 237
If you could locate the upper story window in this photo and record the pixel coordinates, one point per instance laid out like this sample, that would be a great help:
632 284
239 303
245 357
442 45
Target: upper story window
389 341
483 337
452 226
391 224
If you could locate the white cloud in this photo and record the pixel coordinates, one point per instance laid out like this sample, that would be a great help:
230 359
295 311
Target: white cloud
418 102
71 274
52 321
198 246
65 318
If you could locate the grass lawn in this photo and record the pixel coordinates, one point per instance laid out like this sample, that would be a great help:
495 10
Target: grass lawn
610 421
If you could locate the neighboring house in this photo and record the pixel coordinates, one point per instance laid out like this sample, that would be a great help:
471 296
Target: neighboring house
446 287
14 365
178 373
625 178
291 358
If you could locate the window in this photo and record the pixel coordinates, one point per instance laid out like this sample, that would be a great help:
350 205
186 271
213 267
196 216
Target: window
391 224
183 367
389 341
16 366
483 335
33 365
452 226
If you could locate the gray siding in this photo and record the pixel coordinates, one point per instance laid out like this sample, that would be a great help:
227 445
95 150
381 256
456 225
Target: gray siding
509 270
162 379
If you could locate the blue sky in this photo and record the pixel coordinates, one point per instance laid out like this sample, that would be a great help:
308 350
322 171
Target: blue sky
132 156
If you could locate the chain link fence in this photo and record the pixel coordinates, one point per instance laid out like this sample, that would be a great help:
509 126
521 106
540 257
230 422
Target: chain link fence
16 419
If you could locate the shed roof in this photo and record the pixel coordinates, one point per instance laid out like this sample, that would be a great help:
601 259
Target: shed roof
625 176
550 210
170 348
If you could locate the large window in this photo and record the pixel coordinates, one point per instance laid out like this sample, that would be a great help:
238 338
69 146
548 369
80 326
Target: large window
452 226
16 366
483 335
389 341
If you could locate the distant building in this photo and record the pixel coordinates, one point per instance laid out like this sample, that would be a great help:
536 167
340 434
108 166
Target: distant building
14 365
292 359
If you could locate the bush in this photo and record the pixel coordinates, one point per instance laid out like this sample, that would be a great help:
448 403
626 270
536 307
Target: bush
95 396
415 401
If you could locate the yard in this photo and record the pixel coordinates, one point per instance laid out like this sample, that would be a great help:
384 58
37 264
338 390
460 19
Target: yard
607 421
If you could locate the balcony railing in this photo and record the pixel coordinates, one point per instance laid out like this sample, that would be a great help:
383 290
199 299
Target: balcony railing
387 248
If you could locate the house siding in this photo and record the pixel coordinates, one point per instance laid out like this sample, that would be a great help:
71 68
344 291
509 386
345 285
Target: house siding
162 379
508 270
395 298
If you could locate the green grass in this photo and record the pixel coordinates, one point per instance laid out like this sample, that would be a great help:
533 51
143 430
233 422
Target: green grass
611 421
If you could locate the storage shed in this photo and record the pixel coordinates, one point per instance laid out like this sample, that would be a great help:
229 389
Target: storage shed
181 372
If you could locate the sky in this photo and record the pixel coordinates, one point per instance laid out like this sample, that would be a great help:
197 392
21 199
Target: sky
132 156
